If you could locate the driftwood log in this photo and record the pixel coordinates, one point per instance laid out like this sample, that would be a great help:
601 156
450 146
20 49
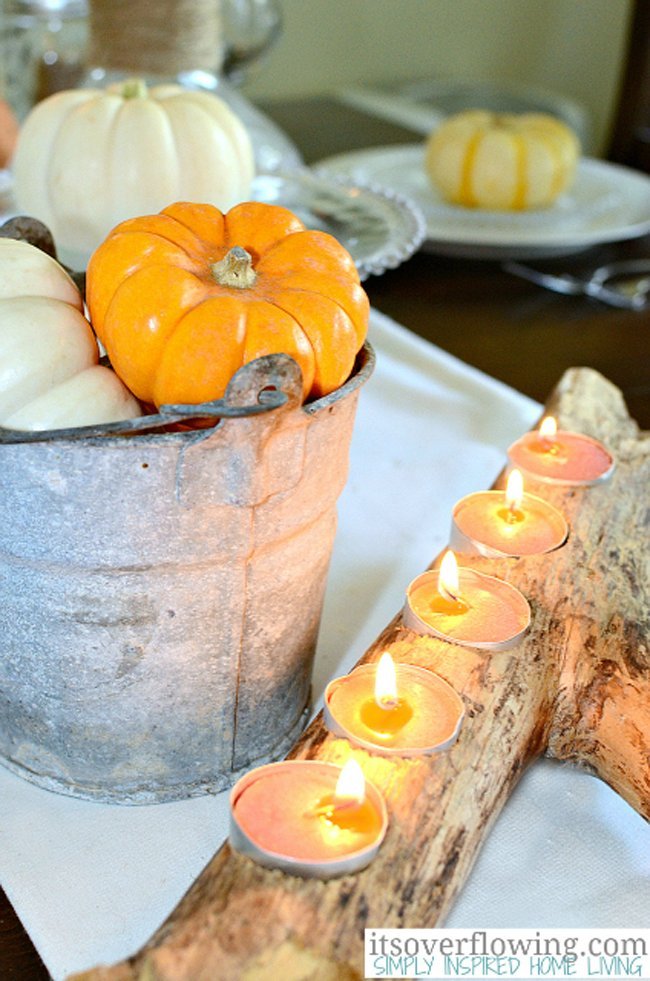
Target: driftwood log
576 688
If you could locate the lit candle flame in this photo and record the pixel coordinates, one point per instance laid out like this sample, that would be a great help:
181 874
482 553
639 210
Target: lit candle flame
548 427
514 490
350 786
386 682
448 585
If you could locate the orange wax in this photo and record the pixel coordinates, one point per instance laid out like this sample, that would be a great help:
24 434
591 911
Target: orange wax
431 721
496 613
511 515
564 458
451 607
548 446
358 817
488 526
385 720
288 810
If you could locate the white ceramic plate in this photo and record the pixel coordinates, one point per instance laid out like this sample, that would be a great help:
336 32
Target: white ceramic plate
379 227
607 203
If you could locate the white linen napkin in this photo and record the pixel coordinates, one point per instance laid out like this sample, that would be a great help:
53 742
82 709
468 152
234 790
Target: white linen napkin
91 882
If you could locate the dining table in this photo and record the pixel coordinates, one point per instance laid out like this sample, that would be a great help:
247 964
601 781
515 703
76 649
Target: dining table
514 332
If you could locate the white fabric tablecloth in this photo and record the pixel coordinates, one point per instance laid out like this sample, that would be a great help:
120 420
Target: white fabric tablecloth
91 882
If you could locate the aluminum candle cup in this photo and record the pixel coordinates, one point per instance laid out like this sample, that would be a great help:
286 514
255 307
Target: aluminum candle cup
491 614
566 458
483 524
425 718
290 816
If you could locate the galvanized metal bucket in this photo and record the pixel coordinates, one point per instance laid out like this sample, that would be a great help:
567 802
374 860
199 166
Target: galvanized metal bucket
160 593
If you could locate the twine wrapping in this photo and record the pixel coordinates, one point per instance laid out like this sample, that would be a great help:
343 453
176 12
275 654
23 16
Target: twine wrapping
163 37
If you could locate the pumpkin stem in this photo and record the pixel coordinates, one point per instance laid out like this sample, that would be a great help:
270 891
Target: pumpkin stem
235 269
133 88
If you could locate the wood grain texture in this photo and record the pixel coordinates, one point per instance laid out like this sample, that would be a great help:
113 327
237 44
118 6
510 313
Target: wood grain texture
577 688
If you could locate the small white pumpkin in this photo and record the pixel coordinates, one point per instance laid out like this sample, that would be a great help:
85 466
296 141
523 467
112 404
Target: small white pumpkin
49 372
88 159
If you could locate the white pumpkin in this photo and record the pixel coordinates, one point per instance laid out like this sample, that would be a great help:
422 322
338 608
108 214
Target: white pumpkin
49 372
89 158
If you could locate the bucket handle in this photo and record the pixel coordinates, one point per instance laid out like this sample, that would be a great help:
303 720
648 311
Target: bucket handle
262 385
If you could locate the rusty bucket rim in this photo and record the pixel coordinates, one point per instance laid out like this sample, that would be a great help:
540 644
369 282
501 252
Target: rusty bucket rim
363 368
115 434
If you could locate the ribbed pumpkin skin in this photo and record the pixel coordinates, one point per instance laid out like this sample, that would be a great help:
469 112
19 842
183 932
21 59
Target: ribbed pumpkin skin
505 162
89 158
175 334
50 377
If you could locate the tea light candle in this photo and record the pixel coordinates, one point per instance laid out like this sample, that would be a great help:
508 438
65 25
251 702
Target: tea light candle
466 607
511 523
561 457
394 710
308 818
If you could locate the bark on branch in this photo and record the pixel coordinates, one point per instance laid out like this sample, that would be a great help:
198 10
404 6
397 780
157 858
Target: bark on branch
576 688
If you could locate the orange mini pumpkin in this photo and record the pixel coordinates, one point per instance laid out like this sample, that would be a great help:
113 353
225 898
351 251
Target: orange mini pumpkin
182 299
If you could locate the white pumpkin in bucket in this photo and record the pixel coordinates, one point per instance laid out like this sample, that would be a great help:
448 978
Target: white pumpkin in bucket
50 377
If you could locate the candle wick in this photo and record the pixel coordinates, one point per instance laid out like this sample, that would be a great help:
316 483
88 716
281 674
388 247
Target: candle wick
387 702
548 444
330 808
514 513
552 446
447 594
346 803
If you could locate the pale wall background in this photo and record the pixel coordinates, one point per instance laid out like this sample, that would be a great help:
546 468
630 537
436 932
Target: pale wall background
572 47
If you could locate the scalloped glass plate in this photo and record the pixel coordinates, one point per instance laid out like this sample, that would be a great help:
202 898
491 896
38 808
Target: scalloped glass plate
607 203
380 228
